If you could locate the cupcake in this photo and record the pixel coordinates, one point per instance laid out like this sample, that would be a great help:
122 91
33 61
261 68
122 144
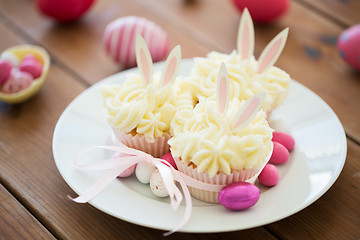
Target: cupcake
140 110
250 76
217 143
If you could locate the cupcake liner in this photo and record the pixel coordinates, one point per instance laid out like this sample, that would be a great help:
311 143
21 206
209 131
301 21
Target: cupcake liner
157 149
219 179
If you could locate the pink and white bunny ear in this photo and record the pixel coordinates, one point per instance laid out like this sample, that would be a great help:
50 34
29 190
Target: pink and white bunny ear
248 111
222 90
246 36
272 51
171 66
143 59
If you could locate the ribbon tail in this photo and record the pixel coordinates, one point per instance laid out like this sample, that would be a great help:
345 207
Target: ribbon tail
101 184
188 205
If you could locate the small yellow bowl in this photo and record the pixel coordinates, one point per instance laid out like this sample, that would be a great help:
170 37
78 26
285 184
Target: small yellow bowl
43 57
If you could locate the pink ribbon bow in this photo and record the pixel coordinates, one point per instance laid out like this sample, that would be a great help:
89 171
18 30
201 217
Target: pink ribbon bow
131 157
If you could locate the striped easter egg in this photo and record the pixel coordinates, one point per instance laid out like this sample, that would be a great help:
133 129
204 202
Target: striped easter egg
119 40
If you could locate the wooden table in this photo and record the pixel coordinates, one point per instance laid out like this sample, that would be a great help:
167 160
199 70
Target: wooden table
34 203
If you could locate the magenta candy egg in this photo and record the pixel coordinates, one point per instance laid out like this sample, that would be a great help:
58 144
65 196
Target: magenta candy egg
280 154
349 46
169 158
269 176
119 40
285 139
31 66
239 196
5 70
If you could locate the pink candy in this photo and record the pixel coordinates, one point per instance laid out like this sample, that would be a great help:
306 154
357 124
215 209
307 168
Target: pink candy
285 139
169 158
30 65
239 196
127 172
280 154
269 176
18 81
119 40
5 70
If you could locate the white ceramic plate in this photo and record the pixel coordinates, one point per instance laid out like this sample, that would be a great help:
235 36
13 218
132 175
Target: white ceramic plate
313 167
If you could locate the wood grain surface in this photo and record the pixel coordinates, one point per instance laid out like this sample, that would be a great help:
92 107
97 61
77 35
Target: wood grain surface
33 193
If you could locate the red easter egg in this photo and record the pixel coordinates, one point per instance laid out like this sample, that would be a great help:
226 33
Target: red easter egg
169 158
119 40
349 46
64 10
263 11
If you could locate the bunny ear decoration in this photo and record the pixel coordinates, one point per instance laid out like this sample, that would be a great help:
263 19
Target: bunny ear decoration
171 66
246 36
248 111
272 51
143 59
222 92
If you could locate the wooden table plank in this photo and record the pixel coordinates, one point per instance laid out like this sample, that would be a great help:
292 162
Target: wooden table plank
16 222
32 175
336 215
345 12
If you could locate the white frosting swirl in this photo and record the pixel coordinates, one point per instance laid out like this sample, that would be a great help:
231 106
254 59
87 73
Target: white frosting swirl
147 110
205 137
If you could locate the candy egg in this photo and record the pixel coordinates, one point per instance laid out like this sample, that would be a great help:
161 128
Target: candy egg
18 81
239 196
285 139
263 11
169 158
127 172
269 176
349 46
5 70
31 66
9 56
144 171
157 185
119 40
280 154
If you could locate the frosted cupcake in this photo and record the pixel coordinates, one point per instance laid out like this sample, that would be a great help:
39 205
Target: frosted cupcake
250 76
140 110
219 144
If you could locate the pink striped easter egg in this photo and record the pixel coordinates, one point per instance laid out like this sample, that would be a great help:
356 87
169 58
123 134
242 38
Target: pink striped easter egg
119 40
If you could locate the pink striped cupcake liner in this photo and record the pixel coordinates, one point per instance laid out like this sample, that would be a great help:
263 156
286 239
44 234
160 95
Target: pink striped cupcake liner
157 149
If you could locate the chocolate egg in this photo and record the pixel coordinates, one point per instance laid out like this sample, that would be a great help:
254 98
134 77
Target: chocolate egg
349 46
119 40
144 171
157 184
239 196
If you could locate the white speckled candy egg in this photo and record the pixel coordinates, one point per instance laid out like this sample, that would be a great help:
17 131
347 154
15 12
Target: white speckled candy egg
119 40
143 172
157 185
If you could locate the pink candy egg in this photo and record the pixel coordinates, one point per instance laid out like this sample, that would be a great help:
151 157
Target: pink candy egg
157 185
349 46
31 66
269 176
18 81
119 40
127 172
169 158
280 154
239 196
5 70
285 139
263 11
